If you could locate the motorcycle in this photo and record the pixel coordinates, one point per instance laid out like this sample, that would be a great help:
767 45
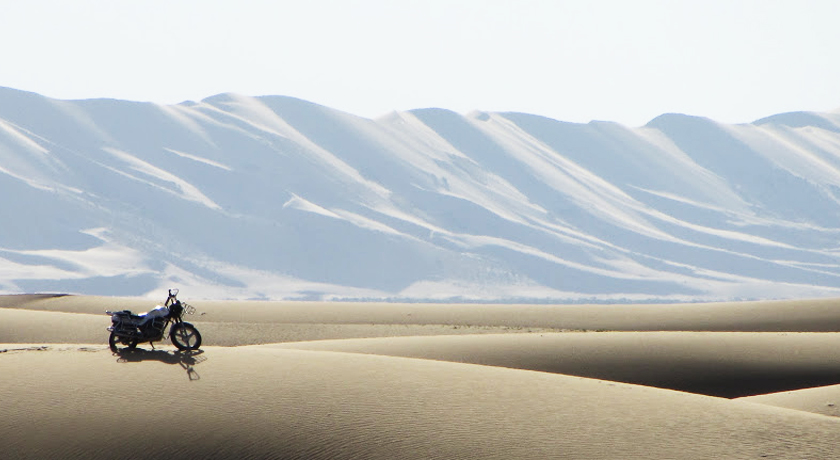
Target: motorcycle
128 329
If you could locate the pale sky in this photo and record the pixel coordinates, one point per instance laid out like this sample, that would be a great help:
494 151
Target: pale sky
624 60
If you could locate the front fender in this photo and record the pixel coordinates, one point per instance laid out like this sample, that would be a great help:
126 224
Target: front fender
183 324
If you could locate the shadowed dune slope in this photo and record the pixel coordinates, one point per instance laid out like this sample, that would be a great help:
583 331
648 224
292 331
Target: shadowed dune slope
726 364
255 402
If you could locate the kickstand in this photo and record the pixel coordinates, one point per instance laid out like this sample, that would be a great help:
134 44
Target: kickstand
152 344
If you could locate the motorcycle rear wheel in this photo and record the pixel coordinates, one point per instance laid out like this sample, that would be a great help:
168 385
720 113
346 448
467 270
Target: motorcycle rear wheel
185 337
114 341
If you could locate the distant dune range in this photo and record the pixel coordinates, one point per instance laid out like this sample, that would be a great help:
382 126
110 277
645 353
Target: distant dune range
319 380
275 197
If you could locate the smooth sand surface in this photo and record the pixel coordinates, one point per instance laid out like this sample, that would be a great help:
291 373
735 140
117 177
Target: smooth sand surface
299 380
821 400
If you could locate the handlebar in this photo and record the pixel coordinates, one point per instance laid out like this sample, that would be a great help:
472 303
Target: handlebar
173 293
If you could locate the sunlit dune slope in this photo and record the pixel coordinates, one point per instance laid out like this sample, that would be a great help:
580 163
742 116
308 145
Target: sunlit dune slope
813 315
19 325
820 400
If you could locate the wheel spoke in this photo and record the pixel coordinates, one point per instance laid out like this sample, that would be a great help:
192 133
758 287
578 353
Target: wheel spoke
185 336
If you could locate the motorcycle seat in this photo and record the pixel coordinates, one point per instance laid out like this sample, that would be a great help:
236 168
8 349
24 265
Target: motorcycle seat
126 313
119 313
157 312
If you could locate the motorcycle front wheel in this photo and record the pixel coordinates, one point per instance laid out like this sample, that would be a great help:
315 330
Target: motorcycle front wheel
114 341
185 336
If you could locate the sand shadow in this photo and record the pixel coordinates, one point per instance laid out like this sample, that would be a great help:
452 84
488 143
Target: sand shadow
727 382
186 359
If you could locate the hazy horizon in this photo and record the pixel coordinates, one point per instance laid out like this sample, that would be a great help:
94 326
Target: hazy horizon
574 61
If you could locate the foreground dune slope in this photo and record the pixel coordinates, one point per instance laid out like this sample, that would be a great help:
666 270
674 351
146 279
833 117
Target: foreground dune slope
79 401
460 385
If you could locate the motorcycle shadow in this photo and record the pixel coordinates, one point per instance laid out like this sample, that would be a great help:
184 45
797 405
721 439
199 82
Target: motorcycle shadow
186 359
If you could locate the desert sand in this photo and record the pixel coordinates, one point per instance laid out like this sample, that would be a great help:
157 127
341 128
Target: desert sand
320 380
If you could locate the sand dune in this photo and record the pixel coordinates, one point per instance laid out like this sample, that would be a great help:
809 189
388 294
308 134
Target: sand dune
462 381
821 400
75 402
819 315
18 325
725 364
